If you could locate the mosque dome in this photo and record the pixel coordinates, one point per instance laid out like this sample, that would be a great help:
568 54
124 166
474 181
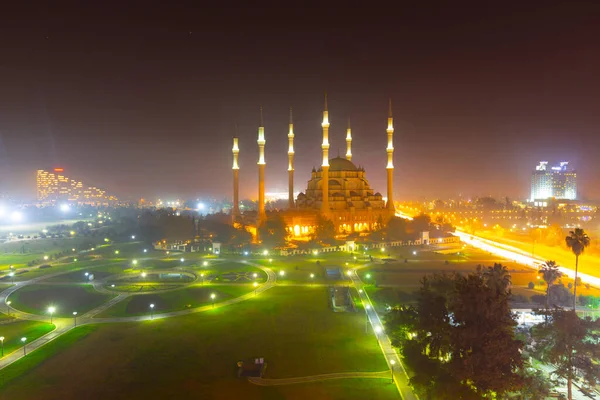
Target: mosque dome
341 164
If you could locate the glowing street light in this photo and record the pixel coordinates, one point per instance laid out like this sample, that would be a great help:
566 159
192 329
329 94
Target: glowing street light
45 258
392 362
368 276
205 263
266 253
255 275
349 272
414 253
213 296
145 250
202 276
74 318
2 341
151 311
24 341
134 262
116 251
51 310
378 329
383 249
182 259
255 286
8 307
12 275
270 260
143 274
133 237
281 273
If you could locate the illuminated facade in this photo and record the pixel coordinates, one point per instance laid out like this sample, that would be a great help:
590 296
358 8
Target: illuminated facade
54 186
559 182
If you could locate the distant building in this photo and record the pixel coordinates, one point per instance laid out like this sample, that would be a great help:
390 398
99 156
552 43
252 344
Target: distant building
558 182
55 187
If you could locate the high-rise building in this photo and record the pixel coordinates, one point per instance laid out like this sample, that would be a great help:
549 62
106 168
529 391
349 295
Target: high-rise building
559 182
53 187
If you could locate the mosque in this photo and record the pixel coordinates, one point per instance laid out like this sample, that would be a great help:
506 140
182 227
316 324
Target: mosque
338 190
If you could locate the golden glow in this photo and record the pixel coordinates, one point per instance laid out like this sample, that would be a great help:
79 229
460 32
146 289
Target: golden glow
235 150
261 145
349 144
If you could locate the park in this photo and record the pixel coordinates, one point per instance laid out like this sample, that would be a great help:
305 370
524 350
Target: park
147 320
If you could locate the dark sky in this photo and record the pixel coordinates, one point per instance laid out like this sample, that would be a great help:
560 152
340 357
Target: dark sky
142 99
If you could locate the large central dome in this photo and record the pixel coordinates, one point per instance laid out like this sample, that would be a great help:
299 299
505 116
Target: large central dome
341 164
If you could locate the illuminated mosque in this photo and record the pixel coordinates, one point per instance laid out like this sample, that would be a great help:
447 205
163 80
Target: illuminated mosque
338 190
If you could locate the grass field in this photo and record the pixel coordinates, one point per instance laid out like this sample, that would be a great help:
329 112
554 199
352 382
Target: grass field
194 356
14 331
36 299
193 296
298 269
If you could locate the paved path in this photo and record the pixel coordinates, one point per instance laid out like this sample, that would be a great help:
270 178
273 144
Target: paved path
400 375
317 378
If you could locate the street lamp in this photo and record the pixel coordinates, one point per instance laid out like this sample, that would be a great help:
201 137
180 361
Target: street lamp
24 341
312 278
182 259
202 276
255 275
12 275
151 311
134 262
143 275
255 286
51 311
116 251
212 296
45 258
74 318
133 237
8 308
145 250
281 273
392 362
2 341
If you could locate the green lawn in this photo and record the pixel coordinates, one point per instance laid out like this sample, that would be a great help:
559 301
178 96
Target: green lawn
194 356
14 331
189 297
36 299
298 269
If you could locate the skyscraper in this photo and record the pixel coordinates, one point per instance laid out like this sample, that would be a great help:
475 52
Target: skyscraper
559 182
54 186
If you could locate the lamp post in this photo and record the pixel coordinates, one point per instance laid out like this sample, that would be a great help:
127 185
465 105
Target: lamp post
392 362
212 296
12 275
2 341
74 318
8 307
202 276
151 311
367 308
51 311
24 341
312 278
255 286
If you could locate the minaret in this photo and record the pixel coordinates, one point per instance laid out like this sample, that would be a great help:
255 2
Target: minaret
349 142
236 179
262 217
390 162
325 166
291 162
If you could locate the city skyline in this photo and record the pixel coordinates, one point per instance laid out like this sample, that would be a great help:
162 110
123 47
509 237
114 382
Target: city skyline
143 107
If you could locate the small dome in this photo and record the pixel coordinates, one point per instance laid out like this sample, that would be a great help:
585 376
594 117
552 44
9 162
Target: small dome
341 164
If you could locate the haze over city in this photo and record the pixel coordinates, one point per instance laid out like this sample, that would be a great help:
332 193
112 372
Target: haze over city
145 106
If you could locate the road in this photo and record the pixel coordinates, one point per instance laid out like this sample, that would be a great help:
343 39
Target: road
392 358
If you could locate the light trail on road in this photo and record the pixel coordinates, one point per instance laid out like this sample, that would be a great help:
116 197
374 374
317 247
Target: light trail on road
518 255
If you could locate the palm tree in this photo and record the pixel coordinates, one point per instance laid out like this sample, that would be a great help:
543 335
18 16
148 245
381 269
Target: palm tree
550 274
577 241
497 278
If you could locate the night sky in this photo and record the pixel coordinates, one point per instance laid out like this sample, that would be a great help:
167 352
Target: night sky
142 100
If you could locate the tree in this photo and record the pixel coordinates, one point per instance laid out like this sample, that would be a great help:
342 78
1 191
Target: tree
396 229
459 340
272 232
550 274
577 241
569 343
325 230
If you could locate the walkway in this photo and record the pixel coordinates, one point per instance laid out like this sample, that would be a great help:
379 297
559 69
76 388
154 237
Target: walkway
317 378
400 376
